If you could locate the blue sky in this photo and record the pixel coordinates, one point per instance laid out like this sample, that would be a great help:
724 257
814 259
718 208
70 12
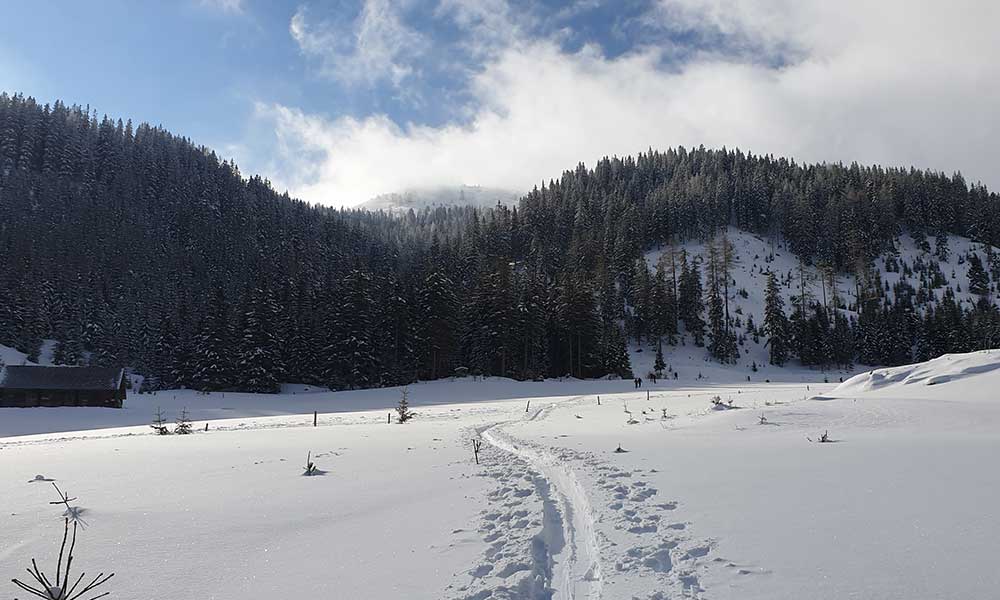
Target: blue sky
338 101
199 67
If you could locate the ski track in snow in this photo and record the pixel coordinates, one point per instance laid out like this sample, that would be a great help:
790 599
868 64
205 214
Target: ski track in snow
576 572
549 539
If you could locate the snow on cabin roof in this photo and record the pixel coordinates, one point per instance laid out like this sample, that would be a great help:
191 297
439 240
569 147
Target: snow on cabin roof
60 378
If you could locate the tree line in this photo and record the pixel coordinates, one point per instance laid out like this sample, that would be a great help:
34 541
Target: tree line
131 245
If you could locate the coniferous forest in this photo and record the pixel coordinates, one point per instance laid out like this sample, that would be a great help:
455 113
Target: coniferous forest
133 246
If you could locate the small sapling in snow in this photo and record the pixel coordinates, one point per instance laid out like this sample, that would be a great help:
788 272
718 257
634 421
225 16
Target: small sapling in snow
823 439
183 426
311 469
63 587
159 424
403 408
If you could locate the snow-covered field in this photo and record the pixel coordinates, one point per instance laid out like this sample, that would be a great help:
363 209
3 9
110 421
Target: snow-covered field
702 501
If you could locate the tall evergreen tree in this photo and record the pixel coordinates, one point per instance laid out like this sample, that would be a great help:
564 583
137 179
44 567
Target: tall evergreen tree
776 325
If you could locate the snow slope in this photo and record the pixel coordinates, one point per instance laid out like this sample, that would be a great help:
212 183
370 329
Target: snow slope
10 356
757 255
970 377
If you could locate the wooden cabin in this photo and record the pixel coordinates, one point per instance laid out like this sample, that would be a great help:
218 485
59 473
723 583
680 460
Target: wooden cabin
25 386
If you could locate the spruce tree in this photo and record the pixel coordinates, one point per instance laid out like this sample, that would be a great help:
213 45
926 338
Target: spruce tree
213 347
258 361
979 281
659 365
776 326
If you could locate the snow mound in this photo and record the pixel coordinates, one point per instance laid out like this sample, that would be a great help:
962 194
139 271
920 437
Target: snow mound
978 372
10 356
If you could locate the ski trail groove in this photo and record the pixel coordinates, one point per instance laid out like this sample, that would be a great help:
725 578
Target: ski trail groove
577 568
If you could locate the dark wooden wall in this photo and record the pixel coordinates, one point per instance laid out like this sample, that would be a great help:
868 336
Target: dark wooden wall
95 398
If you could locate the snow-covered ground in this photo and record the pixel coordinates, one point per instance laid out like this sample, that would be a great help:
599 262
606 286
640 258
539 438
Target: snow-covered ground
703 501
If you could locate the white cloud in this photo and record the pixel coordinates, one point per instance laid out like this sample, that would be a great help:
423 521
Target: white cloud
889 82
377 46
228 6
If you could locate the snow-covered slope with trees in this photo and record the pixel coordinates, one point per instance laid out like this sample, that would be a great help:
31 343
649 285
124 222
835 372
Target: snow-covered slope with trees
131 246
921 286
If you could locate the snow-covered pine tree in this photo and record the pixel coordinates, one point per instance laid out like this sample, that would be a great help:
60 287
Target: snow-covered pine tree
722 343
941 249
979 281
659 365
213 346
690 303
258 362
776 326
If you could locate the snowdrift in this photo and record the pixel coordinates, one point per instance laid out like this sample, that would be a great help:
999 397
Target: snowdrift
973 376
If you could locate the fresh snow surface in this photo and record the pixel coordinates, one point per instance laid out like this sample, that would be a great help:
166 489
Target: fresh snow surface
973 377
702 501
297 399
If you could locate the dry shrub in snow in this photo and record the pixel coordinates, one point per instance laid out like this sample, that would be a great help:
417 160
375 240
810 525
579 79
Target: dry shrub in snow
62 586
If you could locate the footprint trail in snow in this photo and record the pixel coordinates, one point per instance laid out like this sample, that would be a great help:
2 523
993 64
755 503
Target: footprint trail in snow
566 525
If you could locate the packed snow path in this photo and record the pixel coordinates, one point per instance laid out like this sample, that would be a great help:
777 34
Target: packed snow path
576 573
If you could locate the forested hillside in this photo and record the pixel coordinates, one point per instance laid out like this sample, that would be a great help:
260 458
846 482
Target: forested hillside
134 246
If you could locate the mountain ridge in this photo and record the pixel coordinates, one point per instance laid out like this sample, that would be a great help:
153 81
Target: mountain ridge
132 246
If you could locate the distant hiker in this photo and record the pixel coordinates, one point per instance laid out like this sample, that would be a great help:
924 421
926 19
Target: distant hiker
639 381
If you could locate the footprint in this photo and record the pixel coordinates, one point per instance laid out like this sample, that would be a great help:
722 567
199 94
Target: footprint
481 571
659 561
513 568
643 494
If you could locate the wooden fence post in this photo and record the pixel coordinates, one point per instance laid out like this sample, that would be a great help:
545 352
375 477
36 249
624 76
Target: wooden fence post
476 445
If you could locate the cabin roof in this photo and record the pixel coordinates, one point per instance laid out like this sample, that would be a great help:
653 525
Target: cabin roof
60 378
